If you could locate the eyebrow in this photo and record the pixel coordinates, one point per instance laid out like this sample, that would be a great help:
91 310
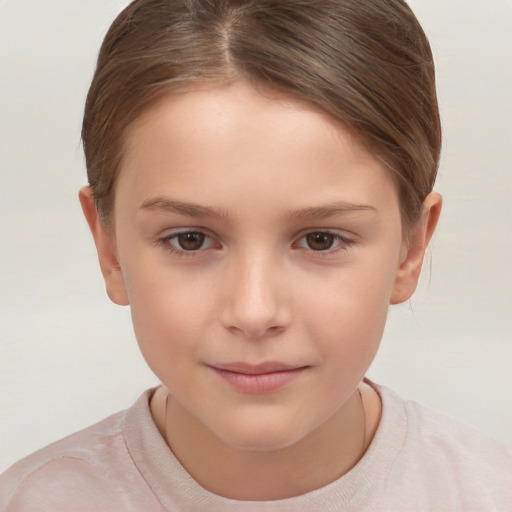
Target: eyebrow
167 205
331 210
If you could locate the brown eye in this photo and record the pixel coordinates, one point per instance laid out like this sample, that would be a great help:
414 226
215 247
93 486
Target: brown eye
184 243
320 241
190 240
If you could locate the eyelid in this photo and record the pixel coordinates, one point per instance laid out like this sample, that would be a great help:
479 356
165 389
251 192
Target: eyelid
344 241
165 240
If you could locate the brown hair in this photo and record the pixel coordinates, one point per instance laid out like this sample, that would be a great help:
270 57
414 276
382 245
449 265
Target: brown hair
366 62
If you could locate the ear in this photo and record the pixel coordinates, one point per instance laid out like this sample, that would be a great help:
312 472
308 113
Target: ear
106 248
414 249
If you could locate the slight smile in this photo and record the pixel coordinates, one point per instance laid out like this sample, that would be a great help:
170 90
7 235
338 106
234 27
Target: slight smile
257 379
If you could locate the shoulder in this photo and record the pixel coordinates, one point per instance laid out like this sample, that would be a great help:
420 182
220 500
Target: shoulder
454 441
80 470
463 467
70 462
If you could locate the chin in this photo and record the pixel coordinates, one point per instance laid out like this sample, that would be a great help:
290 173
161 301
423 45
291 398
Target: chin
261 443
258 437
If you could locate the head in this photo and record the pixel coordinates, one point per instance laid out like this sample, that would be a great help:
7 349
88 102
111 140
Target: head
261 181
367 64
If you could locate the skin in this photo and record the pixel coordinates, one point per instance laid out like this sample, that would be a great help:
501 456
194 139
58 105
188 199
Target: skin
256 173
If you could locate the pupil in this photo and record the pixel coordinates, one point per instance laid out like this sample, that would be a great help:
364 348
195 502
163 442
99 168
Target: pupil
320 241
191 241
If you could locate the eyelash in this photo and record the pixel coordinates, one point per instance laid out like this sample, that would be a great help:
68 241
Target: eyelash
166 243
340 243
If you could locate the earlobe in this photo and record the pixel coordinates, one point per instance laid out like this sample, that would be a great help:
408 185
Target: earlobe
413 253
105 246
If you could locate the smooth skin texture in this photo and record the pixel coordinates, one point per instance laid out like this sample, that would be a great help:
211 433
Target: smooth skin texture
251 228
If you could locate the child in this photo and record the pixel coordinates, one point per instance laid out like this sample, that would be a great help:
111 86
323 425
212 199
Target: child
260 190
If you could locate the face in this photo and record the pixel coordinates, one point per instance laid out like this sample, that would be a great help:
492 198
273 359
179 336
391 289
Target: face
259 246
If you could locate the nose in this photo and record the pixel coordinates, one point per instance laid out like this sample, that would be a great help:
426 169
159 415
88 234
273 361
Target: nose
256 305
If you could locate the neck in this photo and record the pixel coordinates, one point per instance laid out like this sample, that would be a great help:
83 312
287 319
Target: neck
318 459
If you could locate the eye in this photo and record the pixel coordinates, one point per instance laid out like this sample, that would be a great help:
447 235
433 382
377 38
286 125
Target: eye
323 241
187 241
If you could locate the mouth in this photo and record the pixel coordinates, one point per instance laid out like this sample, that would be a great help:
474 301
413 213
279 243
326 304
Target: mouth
258 379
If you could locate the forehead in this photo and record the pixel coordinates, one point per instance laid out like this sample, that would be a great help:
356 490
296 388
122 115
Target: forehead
233 105
237 142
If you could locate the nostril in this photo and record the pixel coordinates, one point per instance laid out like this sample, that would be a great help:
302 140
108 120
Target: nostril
255 332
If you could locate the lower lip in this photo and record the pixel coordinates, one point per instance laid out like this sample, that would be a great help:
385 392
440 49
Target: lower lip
260 383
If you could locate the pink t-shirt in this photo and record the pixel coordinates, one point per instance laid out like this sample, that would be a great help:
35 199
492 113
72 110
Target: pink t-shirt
418 461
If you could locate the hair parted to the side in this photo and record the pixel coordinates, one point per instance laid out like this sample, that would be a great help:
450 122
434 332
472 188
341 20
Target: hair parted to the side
368 63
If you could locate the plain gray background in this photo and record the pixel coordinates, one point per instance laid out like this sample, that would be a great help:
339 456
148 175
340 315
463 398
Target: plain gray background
68 357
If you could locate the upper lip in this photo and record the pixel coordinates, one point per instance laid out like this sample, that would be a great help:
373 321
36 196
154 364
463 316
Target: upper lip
256 369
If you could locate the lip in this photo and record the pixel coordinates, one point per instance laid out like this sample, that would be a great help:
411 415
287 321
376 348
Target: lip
257 379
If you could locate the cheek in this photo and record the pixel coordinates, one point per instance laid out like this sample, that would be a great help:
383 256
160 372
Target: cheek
349 312
349 335
168 314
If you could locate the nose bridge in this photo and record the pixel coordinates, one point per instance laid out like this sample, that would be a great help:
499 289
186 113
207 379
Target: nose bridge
255 305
